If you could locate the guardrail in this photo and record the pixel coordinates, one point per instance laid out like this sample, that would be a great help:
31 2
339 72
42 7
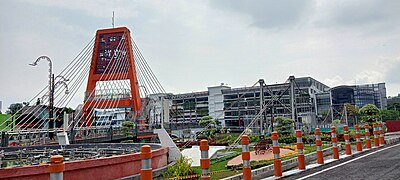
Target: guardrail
41 136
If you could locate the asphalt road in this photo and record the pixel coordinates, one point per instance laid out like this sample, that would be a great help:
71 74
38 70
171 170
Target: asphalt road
379 164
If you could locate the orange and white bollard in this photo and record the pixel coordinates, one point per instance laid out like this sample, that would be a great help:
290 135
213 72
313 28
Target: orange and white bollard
277 159
204 161
376 139
358 138
146 173
56 167
381 134
318 142
335 150
347 139
300 148
246 157
367 136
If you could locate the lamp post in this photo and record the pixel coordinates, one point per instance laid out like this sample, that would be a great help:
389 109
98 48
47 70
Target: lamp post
52 85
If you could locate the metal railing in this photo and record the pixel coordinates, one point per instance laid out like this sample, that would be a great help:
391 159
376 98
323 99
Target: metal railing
107 94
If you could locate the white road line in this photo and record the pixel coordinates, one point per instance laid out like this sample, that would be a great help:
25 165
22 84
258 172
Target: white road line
355 159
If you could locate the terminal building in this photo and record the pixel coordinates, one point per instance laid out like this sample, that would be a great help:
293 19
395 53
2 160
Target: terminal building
336 98
235 108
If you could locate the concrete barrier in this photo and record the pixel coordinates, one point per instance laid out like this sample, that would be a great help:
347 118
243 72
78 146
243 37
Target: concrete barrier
392 140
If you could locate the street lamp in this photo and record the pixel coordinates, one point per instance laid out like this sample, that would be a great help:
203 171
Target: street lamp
52 86
61 82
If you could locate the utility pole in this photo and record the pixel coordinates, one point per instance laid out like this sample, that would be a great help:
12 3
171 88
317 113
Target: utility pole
51 107
113 20
162 112
345 114
176 112
272 111
261 81
331 109
292 100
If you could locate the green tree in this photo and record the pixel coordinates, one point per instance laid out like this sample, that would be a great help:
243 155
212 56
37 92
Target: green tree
394 106
212 127
352 110
68 110
336 123
393 103
14 108
207 120
390 115
369 113
127 127
284 125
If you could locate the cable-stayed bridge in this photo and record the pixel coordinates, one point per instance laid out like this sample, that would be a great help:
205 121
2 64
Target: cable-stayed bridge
120 85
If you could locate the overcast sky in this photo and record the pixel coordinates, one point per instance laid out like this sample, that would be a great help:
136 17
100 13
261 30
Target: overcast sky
191 45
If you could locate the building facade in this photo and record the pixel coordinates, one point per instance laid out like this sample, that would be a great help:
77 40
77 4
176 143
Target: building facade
237 107
189 107
314 103
331 103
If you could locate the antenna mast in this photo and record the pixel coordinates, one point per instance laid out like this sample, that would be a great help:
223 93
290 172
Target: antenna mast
113 20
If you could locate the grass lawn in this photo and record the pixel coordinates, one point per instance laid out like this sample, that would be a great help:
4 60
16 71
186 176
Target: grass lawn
217 167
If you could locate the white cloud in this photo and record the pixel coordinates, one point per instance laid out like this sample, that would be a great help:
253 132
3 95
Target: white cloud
98 8
192 45
335 81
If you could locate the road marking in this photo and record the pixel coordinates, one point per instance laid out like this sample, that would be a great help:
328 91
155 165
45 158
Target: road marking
355 159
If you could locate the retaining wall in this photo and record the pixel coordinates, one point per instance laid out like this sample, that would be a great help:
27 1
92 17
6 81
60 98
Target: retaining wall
393 125
102 168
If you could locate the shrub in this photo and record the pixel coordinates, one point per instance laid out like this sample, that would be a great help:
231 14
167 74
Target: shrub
127 141
362 133
127 127
352 135
254 138
285 125
288 139
229 139
202 136
182 167
369 113
340 137
309 139
325 138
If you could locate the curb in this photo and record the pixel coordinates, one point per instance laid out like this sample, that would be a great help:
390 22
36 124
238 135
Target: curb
389 141
392 140
286 165
292 163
